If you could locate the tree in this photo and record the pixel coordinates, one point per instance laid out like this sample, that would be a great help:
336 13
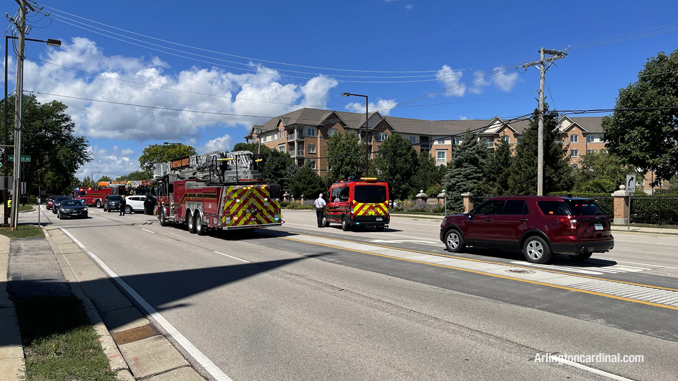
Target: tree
105 178
558 174
495 181
601 171
47 137
467 170
136 175
648 139
278 168
162 153
397 163
346 156
87 183
426 175
252 147
306 182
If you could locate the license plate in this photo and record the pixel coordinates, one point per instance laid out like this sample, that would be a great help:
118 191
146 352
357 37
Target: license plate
598 226
378 218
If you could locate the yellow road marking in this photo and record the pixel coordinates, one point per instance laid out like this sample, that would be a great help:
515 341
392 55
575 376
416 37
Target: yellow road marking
495 275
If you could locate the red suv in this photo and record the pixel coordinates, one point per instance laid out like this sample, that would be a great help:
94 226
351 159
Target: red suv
540 226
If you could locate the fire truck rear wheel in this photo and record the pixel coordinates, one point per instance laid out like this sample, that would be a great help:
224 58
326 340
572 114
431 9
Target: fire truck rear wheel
98 203
199 227
163 219
345 225
191 224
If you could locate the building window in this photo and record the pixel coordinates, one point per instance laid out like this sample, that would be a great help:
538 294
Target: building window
281 148
441 156
311 163
590 151
458 141
575 166
413 139
282 134
440 141
382 136
519 138
311 131
590 138
332 131
507 138
574 153
489 142
311 148
574 138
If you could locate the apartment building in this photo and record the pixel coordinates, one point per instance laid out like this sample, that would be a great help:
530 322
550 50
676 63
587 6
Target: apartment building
304 133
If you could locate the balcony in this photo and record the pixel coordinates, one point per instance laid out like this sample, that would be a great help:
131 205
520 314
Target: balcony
299 153
298 136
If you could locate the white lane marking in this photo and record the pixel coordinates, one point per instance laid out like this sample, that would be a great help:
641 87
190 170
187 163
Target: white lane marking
645 242
206 363
552 267
401 241
647 264
230 256
596 371
146 230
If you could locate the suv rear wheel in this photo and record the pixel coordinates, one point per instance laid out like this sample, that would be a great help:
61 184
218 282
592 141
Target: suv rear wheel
536 250
454 241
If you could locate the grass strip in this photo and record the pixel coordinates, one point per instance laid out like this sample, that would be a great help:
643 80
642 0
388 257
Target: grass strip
59 341
23 208
23 231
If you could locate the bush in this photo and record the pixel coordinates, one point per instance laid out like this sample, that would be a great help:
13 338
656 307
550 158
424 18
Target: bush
434 190
284 204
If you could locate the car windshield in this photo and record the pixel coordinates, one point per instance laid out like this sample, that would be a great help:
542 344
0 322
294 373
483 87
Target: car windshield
584 207
114 198
370 193
71 203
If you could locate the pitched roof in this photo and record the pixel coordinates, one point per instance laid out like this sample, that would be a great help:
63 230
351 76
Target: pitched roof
433 127
306 116
591 123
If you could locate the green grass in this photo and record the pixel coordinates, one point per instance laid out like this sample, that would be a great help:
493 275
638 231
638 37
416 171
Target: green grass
23 231
23 208
59 341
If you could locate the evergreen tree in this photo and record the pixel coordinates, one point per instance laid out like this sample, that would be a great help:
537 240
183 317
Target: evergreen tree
426 175
307 182
495 182
469 161
346 156
397 163
558 175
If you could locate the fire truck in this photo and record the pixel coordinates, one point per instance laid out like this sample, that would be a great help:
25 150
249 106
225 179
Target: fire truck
216 191
92 196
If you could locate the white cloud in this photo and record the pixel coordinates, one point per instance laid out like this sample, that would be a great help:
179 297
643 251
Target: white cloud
388 1
503 81
409 7
219 144
463 117
450 79
259 93
478 82
109 162
384 106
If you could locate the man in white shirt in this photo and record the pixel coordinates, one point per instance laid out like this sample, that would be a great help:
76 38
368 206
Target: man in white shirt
319 209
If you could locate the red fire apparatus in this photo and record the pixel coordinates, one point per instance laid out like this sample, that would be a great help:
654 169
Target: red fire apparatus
216 191
92 196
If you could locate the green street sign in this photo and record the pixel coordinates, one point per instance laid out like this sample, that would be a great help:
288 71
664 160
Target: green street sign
24 158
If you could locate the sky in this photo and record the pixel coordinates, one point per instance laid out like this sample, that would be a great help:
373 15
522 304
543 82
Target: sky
137 73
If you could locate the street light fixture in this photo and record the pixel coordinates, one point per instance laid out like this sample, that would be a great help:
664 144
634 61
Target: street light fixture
367 118
17 134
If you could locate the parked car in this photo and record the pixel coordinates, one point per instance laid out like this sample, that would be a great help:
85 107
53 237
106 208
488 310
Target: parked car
57 202
540 226
112 202
70 208
135 203
50 202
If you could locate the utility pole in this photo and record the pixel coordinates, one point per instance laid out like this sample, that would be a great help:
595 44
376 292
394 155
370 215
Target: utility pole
21 29
544 65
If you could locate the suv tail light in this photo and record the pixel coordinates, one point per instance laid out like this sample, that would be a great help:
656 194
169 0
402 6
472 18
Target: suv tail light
568 221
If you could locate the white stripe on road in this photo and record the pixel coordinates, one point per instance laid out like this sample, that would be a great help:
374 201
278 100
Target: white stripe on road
230 256
146 230
206 363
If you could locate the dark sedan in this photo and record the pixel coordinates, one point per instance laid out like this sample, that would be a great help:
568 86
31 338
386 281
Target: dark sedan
72 208
57 202
112 202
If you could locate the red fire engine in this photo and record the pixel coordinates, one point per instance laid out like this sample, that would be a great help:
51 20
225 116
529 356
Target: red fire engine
92 196
216 191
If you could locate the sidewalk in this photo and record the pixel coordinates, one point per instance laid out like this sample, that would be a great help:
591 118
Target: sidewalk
136 349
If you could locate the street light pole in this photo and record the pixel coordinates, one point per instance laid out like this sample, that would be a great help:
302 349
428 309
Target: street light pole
367 119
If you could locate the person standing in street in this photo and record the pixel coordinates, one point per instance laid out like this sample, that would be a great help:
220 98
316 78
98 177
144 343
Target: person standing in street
123 204
320 209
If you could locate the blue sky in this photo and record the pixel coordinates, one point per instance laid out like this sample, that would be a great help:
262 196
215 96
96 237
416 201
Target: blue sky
241 62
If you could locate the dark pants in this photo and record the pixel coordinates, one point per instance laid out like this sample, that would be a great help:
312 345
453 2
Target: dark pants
319 215
122 210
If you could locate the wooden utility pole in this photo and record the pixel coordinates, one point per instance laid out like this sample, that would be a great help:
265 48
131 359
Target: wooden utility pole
544 65
21 29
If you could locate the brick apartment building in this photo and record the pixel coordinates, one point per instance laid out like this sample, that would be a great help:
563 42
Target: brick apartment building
303 134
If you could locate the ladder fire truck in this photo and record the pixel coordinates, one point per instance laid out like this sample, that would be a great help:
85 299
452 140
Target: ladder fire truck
216 191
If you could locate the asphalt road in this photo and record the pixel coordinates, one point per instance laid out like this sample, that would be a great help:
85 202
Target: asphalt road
272 307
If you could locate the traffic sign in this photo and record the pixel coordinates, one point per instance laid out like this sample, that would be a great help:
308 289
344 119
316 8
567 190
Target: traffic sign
631 183
24 158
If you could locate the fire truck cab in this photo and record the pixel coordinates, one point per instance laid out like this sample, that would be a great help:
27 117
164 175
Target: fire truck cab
361 202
